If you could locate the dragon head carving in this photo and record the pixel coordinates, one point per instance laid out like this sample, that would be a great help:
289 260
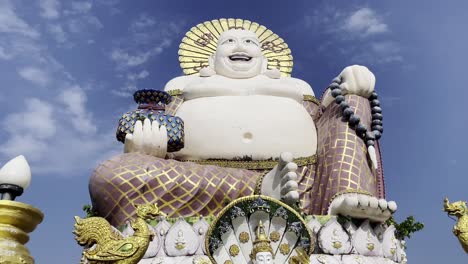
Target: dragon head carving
456 209
148 211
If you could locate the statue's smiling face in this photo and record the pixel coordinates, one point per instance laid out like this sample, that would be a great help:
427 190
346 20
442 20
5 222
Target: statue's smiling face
239 55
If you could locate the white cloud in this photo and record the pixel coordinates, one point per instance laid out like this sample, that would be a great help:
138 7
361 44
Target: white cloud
146 38
11 23
58 33
36 121
74 100
83 24
375 52
124 59
4 55
365 22
144 21
49 9
34 75
58 134
77 22
110 5
81 7
137 76
51 139
353 33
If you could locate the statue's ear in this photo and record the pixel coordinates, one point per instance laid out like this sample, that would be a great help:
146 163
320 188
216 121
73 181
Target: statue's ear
264 65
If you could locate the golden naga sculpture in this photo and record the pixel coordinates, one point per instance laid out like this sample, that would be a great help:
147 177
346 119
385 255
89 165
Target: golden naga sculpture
105 246
460 230
301 258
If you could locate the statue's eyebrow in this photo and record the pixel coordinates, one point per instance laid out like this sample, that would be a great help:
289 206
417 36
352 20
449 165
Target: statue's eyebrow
254 40
223 39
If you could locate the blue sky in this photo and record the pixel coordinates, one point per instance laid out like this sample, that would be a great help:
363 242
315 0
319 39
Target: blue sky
68 68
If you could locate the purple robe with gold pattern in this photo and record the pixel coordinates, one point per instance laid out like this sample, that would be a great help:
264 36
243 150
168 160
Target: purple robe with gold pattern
182 188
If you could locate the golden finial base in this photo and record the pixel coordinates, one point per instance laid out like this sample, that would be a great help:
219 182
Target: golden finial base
16 221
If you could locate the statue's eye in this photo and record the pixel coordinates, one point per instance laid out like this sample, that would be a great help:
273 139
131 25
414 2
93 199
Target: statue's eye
250 42
230 40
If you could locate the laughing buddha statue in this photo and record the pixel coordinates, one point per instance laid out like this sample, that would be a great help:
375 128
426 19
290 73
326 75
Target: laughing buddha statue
249 129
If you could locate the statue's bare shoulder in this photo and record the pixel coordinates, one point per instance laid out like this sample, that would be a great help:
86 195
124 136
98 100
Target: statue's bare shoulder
179 83
302 85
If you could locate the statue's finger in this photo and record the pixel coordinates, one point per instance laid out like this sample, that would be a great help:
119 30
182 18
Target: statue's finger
289 167
128 143
383 204
360 74
372 82
290 176
373 203
154 138
346 74
344 88
392 206
163 142
291 197
289 187
147 136
138 135
284 159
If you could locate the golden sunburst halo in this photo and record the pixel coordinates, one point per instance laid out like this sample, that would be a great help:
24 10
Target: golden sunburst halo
201 40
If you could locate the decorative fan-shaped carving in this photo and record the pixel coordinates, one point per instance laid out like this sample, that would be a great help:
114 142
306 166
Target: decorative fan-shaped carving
201 40
231 234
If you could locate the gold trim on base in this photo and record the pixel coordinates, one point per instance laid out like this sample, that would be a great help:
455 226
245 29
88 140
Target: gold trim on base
253 164
311 98
16 221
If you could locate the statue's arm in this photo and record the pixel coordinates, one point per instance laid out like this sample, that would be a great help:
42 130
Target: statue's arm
175 88
309 101
343 159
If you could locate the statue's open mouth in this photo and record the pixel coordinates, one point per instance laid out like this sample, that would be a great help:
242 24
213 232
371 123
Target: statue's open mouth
240 57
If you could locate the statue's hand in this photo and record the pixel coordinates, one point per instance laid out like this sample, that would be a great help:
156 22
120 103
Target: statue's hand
273 73
147 138
357 80
281 181
207 72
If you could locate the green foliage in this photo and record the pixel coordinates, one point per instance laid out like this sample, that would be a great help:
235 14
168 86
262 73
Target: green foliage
88 209
405 228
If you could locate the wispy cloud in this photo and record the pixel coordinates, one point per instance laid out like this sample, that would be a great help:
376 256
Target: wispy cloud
11 23
364 22
77 21
142 22
137 76
130 84
362 35
34 75
81 7
4 55
146 38
46 127
45 134
74 99
35 121
49 9
111 5
58 33
127 59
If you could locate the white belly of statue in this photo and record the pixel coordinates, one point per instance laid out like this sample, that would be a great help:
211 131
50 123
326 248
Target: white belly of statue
257 126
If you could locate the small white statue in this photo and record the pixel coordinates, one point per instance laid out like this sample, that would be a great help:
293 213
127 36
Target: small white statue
262 252
263 258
